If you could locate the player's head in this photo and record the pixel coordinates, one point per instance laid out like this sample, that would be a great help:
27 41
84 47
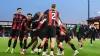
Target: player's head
92 25
19 10
38 13
53 6
36 16
29 16
41 16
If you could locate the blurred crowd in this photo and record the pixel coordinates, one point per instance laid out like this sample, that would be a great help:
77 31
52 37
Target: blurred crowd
4 33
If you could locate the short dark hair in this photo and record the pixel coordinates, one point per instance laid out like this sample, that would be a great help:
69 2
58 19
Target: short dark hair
19 8
29 14
53 5
38 13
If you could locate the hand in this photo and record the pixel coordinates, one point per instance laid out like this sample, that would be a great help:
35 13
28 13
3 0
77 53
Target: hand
24 19
34 29
62 33
85 32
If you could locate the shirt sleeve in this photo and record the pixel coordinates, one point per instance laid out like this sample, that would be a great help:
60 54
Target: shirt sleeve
40 23
58 15
14 17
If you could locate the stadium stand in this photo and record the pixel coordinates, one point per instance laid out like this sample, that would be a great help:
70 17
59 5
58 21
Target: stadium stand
5 27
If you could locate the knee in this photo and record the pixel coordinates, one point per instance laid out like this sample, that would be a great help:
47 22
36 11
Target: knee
10 38
16 38
25 38
46 41
52 46
70 43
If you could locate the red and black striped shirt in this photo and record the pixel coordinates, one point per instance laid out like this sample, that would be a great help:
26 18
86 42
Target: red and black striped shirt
52 16
26 25
17 21
62 29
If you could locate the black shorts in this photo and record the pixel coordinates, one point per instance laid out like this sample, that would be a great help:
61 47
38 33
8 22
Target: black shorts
14 33
67 38
34 33
51 31
57 31
26 34
60 38
42 33
23 34
80 35
92 37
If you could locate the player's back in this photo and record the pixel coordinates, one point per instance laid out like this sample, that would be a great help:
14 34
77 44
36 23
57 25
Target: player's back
51 15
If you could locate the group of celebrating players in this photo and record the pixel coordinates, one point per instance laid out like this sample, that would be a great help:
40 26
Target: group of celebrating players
45 26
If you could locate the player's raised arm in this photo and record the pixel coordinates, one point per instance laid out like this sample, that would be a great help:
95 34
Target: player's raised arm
40 24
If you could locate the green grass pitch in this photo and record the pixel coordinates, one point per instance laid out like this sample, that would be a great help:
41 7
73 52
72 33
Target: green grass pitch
86 51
